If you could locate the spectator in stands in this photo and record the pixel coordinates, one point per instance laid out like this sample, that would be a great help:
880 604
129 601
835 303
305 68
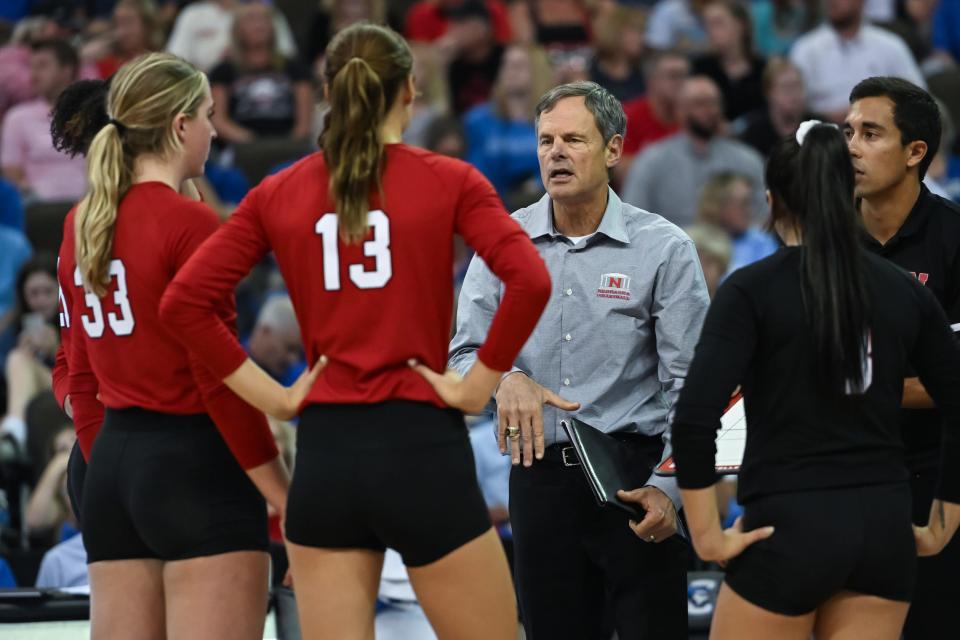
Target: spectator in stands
201 35
654 116
285 436
14 251
726 202
618 50
65 565
15 83
554 24
434 21
786 108
334 15
474 55
843 51
27 155
731 61
668 176
258 92
677 24
275 342
713 249
501 137
946 29
493 470
35 332
48 509
446 136
432 99
778 23
937 178
136 31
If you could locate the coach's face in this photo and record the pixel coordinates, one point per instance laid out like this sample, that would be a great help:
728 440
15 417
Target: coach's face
880 159
573 157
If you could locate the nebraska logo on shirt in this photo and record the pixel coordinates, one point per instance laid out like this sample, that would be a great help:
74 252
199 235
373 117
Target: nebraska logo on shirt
614 285
921 277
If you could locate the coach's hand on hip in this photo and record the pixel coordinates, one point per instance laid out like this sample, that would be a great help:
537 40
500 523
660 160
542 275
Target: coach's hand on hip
660 521
520 403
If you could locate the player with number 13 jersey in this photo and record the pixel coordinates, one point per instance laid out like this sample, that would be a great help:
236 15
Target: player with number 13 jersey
363 235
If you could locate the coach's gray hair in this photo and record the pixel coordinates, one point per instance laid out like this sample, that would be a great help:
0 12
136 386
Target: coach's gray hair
606 109
277 313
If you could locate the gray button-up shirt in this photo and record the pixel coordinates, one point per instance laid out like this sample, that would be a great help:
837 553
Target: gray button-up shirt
619 331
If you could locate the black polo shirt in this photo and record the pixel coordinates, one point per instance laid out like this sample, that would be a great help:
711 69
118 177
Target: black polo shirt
927 245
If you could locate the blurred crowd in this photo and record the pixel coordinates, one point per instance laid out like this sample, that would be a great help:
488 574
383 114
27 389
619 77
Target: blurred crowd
709 86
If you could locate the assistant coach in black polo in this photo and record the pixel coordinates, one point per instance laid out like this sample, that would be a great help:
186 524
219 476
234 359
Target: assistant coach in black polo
893 131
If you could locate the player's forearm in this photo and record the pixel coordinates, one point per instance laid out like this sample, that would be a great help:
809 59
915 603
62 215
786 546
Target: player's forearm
273 480
258 389
703 518
915 395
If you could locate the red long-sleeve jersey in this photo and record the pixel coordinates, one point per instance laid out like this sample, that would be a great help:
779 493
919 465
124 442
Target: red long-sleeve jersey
89 417
368 307
136 360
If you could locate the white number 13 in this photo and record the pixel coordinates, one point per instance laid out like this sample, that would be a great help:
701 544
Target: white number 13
378 248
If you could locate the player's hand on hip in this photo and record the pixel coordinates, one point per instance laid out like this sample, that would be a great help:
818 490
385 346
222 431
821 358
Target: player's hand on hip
520 403
729 543
295 394
469 393
660 521
940 528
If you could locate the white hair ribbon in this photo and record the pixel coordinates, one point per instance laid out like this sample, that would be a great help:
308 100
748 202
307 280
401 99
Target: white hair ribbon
805 127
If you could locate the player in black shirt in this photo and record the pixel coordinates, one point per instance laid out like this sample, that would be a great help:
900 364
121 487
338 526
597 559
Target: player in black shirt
893 131
820 336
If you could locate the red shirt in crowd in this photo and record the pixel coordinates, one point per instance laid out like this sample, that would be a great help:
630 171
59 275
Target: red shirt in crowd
426 22
643 126
135 358
371 306
88 419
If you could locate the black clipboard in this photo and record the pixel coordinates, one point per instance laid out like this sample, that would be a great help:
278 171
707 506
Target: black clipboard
601 459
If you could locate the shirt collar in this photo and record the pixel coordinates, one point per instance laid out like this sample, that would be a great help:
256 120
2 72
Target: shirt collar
913 224
611 225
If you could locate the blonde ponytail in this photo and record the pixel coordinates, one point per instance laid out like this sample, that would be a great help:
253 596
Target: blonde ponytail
109 175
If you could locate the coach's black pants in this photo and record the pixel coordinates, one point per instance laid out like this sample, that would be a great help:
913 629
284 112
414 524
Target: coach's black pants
932 612
580 571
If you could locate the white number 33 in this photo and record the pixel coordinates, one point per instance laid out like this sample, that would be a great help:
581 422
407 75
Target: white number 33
377 248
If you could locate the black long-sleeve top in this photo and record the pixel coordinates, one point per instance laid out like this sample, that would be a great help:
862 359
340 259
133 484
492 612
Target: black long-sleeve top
756 334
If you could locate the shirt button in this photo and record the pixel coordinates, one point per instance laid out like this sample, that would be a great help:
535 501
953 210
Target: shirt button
569 292
566 382
568 337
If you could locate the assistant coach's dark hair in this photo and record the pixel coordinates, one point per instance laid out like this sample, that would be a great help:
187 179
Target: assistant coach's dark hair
811 188
915 112
79 115
366 67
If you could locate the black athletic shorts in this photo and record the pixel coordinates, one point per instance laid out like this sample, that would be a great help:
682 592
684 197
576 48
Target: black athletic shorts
852 539
76 472
395 474
167 487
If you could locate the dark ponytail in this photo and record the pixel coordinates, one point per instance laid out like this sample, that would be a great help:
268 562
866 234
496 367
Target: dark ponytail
812 191
79 115
366 68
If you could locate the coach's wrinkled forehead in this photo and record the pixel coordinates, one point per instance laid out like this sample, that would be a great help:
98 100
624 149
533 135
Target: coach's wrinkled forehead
606 109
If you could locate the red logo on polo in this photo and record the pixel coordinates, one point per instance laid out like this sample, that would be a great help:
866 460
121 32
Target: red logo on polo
921 277
614 285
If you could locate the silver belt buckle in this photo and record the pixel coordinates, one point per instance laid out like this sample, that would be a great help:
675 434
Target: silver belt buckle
569 455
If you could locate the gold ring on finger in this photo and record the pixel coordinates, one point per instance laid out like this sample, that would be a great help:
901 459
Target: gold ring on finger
513 432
